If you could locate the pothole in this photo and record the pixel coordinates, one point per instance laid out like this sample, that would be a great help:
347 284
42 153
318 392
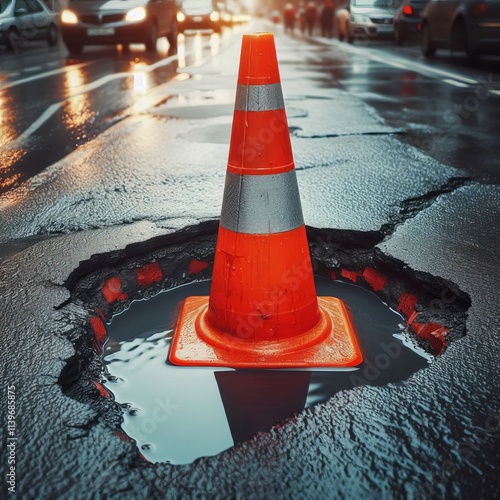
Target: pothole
177 414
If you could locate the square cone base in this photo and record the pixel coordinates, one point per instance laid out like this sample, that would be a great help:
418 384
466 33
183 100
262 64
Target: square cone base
338 348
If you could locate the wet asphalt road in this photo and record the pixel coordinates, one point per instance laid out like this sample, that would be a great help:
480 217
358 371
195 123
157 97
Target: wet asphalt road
51 103
385 155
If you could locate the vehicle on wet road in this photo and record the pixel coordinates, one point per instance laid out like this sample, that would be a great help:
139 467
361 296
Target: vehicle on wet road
99 22
472 26
366 19
408 21
25 21
201 15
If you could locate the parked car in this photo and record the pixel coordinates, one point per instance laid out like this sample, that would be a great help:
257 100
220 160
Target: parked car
88 22
472 26
200 15
26 20
366 19
408 21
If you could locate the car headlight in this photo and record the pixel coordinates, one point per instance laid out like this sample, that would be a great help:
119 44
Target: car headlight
214 16
181 17
68 17
360 19
135 15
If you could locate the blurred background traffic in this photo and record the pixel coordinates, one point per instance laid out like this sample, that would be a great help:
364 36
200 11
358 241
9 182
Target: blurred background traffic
470 26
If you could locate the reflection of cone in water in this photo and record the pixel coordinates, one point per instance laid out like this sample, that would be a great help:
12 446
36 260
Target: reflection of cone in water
262 310
254 400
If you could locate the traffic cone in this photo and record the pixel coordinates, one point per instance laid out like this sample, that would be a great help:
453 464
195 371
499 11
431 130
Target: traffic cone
262 311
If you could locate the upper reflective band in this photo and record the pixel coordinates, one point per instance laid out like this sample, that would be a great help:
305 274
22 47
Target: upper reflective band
261 204
259 97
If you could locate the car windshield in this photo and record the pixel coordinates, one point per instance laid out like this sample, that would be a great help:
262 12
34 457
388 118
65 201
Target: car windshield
376 3
197 5
3 5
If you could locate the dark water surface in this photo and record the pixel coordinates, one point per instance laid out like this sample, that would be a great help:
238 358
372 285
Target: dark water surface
177 414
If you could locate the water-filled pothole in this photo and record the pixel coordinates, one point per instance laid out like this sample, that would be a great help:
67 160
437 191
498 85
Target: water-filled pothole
178 414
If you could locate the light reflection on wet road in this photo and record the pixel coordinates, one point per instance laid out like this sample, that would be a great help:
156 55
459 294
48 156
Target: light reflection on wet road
53 110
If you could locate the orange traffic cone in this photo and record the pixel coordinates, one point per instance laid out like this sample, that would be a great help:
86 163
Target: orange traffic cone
262 310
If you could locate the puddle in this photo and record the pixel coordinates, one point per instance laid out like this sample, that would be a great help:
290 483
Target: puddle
199 104
178 414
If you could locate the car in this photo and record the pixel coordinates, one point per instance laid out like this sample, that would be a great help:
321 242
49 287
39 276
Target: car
238 12
26 20
408 21
472 26
366 19
200 15
91 22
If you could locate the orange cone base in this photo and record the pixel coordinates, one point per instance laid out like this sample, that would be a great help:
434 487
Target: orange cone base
331 343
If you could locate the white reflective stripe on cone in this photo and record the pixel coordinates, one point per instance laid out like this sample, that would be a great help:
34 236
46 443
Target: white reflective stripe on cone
259 97
261 204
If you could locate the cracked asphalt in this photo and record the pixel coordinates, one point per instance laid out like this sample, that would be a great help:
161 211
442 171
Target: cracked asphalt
156 176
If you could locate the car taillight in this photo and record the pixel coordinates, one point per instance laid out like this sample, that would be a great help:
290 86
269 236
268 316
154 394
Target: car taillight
478 9
408 10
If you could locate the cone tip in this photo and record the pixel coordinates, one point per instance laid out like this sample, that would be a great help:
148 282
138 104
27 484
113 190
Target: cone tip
258 62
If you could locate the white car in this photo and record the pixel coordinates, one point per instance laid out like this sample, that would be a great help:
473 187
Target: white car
26 20
366 19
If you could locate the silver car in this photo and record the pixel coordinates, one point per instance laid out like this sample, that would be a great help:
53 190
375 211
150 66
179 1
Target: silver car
26 20
366 19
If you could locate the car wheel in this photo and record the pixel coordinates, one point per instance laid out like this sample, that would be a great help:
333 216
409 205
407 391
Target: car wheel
399 38
53 35
13 39
337 30
348 34
427 46
172 36
74 48
459 40
152 38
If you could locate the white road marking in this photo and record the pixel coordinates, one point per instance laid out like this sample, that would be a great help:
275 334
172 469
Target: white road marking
400 62
83 89
20 139
15 83
456 83
33 68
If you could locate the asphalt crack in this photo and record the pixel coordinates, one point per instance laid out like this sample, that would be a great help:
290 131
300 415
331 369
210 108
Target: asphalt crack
411 207
347 134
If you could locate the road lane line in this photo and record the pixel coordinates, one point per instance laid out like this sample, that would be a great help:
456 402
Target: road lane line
415 66
83 89
28 79
19 140
456 83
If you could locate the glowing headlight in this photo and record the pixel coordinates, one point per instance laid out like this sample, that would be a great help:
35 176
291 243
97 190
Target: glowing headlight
181 17
357 18
137 14
68 17
214 16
